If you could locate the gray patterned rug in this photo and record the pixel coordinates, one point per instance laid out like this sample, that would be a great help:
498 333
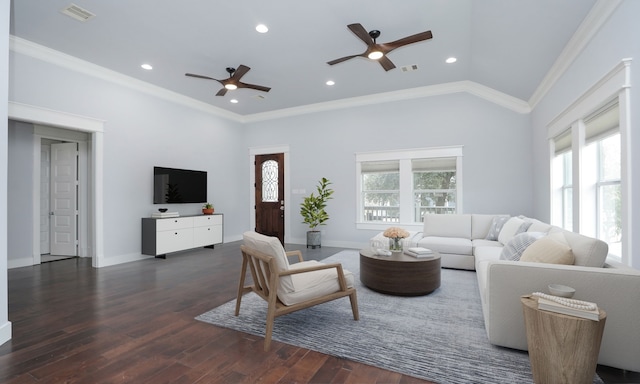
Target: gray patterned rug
439 337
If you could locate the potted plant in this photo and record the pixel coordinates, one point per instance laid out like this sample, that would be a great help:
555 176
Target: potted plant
313 213
207 209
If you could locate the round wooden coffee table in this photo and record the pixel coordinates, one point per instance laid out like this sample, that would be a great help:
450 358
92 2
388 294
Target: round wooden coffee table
400 274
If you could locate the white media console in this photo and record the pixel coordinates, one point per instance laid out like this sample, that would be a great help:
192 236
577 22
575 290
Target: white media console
164 235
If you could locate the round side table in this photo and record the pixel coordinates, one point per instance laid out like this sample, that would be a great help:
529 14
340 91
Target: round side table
563 349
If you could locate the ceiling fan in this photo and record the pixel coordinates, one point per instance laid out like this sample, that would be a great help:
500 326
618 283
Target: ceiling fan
377 51
233 82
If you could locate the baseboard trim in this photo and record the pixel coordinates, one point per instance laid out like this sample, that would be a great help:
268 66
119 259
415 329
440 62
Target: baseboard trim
19 263
5 332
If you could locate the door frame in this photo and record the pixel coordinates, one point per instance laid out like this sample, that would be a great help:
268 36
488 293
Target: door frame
253 151
95 128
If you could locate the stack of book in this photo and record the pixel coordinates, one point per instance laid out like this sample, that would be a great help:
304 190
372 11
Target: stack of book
419 252
552 306
164 215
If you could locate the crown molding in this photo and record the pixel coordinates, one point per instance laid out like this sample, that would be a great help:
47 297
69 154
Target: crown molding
40 52
63 60
590 26
471 87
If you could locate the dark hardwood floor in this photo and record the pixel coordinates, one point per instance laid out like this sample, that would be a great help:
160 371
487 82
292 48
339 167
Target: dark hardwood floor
134 323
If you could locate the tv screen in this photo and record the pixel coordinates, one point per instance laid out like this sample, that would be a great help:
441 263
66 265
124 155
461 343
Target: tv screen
171 186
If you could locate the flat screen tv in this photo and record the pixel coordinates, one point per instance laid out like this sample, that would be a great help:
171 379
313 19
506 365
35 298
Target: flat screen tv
174 186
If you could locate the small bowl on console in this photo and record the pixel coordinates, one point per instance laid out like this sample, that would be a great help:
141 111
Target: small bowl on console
162 210
561 290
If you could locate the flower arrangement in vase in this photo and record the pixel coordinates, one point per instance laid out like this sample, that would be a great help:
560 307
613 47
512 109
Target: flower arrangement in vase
396 236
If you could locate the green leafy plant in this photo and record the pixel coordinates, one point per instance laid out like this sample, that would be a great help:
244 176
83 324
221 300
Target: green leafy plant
207 206
312 208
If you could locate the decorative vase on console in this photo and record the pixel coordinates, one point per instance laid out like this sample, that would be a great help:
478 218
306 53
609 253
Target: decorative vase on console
396 238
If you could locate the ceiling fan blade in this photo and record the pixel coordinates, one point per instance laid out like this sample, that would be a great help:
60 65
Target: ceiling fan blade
253 86
241 71
386 63
362 33
222 92
388 47
340 60
200 76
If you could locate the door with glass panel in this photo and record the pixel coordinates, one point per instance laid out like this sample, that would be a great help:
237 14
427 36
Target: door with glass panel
269 186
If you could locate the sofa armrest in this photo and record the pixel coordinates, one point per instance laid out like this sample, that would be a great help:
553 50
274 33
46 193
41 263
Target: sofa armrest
616 291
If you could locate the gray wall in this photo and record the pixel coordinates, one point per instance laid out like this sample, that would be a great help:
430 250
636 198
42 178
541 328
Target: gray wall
140 131
497 153
20 191
617 40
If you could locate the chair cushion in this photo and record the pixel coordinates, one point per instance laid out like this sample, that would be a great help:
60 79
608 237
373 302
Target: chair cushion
452 245
310 285
271 246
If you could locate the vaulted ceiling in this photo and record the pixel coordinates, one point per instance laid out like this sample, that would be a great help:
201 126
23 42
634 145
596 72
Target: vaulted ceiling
505 45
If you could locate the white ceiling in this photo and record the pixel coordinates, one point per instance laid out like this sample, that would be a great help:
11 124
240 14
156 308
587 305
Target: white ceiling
506 45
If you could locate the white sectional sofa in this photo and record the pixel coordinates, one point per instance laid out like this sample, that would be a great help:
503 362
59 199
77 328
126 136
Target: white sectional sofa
461 240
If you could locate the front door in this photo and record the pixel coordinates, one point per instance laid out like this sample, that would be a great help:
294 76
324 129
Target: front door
64 196
269 186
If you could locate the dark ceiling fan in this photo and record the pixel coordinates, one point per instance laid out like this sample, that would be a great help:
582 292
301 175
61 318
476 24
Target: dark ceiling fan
233 82
377 51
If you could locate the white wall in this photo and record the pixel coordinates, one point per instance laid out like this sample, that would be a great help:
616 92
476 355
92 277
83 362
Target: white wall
497 153
618 39
140 131
5 11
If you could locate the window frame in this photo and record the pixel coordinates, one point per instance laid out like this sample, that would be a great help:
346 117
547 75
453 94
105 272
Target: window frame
404 158
613 87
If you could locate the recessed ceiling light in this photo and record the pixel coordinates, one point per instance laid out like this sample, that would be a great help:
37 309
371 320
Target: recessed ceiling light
451 60
330 82
262 28
234 101
148 67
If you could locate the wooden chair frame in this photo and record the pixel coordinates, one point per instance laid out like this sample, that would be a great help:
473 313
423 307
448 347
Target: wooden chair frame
266 280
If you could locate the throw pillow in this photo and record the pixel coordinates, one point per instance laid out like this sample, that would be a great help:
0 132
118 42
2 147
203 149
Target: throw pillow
496 225
514 249
509 229
548 250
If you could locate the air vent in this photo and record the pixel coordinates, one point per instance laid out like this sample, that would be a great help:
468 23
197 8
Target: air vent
77 13
258 97
409 68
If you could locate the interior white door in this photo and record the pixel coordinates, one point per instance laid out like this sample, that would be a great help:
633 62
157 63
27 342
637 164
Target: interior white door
64 197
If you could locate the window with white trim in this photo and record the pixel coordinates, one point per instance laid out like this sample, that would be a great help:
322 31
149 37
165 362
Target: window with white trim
598 142
402 186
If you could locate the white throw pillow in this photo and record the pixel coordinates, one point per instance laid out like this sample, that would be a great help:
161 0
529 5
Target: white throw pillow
514 249
510 229
548 250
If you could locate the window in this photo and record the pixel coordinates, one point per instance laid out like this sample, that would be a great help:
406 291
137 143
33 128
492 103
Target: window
598 177
401 186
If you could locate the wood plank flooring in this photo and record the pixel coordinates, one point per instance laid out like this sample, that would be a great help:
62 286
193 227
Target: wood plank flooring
134 323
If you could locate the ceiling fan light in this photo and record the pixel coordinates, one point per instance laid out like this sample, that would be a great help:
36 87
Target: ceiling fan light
375 55
230 86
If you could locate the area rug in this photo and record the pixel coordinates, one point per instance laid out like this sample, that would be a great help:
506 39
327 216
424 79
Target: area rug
439 337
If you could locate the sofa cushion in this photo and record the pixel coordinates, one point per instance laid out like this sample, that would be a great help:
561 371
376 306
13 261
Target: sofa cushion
495 226
589 252
548 250
453 245
456 225
517 245
512 227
